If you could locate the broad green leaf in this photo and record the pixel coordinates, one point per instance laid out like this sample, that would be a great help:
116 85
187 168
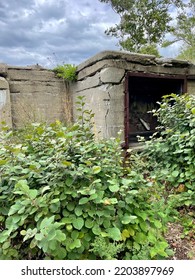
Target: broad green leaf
3 236
114 233
75 244
83 200
51 234
140 237
125 234
66 163
53 245
89 223
61 253
78 223
162 245
60 236
33 243
114 188
144 226
96 230
157 224
3 161
39 236
46 222
78 211
70 206
69 181
126 219
14 209
22 186
75 234
6 245
193 110
151 238
96 169
33 194
44 189
136 246
131 231
30 233
175 173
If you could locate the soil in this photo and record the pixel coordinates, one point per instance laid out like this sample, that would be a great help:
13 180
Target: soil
183 247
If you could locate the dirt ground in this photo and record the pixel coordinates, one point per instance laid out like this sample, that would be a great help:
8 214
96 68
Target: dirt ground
183 247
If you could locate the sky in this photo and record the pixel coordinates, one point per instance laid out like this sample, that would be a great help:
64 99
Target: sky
51 32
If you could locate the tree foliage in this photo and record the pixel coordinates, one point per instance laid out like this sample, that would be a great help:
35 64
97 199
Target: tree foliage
143 23
183 31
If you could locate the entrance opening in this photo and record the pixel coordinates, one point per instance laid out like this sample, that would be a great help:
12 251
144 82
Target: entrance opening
142 93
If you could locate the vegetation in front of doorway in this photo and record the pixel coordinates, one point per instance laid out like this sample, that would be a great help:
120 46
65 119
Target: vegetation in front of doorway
170 159
64 195
66 71
170 153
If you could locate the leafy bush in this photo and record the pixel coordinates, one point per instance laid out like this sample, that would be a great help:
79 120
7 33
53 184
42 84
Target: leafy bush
66 71
64 195
171 152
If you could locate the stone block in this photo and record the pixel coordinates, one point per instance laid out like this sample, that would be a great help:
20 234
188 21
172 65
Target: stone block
88 82
29 74
112 75
5 104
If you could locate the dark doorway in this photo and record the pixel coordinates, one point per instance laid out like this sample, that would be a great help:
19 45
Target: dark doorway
142 93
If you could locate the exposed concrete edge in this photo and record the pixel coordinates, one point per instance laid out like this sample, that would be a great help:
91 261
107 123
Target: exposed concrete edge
28 67
107 54
144 59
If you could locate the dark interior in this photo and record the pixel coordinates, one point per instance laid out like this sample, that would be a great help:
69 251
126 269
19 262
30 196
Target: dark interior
144 92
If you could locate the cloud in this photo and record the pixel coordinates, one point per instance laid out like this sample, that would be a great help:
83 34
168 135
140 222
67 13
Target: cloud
69 31
51 32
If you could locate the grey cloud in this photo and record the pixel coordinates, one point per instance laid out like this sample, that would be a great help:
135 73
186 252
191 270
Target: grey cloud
31 33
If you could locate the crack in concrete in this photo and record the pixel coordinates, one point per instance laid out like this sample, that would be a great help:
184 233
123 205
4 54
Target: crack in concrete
107 112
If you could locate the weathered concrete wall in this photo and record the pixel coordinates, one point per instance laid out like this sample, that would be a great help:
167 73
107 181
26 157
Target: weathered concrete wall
101 79
104 93
29 94
5 105
36 95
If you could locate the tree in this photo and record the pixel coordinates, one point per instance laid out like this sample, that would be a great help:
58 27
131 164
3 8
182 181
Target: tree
184 31
143 23
187 54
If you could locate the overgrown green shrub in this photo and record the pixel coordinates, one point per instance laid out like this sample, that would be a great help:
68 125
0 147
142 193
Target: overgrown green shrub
63 195
170 154
66 71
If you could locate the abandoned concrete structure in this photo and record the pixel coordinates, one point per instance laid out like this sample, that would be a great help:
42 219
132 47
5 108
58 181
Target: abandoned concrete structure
119 87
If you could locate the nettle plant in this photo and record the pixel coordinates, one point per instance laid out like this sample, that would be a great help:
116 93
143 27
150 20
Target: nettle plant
171 152
64 195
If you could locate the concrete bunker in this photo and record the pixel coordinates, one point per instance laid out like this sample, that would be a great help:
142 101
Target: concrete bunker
120 87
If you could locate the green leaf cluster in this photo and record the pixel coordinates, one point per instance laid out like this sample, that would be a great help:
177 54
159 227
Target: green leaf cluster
171 152
66 71
143 24
63 194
